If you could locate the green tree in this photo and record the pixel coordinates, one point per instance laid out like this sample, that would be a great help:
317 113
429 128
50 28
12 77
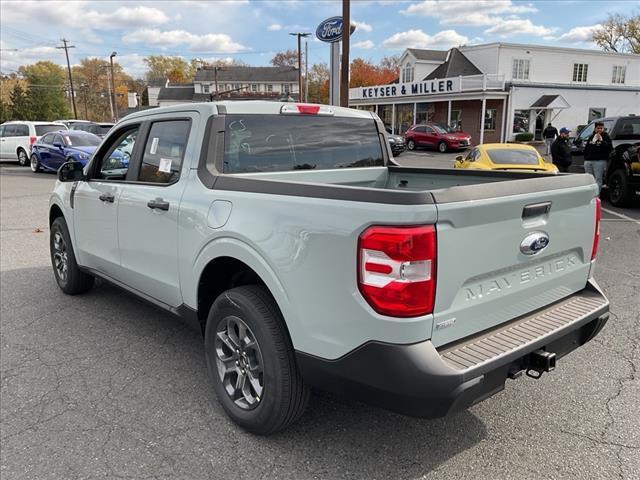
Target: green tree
619 34
46 91
20 104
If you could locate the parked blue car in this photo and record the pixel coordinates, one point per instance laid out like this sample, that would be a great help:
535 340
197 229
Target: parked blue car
56 148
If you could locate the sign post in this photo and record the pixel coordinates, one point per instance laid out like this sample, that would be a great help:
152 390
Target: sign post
330 31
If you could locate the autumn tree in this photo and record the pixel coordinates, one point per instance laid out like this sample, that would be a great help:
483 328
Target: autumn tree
160 66
92 80
619 34
391 62
364 73
319 83
288 58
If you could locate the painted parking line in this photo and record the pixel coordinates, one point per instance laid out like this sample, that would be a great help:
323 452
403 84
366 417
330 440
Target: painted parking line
611 212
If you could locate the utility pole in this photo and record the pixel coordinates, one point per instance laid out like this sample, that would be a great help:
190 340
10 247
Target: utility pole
306 71
344 71
73 96
300 35
83 88
113 88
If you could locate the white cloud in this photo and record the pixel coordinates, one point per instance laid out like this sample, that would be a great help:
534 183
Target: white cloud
365 45
507 28
578 34
419 39
274 27
365 27
10 60
444 8
211 42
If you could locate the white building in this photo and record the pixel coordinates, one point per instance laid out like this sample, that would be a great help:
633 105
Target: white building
514 88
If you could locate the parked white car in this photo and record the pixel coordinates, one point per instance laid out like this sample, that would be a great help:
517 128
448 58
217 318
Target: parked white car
16 138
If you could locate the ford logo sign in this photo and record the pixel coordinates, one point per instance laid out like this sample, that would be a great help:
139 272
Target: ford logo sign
534 242
330 30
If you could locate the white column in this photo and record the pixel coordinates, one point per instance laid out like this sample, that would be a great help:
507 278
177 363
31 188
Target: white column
393 118
415 112
504 112
484 110
449 115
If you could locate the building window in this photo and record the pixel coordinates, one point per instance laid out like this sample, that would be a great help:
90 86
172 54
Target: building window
407 73
285 88
580 72
254 87
456 119
596 112
205 88
619 72
425 112
490 119
520 121
269 88
404 118
520 69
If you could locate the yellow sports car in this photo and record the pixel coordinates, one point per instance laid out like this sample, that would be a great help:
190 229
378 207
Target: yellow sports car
504 156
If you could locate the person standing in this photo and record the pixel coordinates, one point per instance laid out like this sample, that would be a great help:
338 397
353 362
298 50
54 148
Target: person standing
596 153
549 134
561 150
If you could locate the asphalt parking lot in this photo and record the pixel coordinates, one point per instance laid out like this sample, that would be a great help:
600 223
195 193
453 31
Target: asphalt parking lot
105 386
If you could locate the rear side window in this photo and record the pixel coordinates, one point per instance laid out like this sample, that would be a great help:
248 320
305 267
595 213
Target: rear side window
43 129
628 129
516 157
164 151
272 143
21 131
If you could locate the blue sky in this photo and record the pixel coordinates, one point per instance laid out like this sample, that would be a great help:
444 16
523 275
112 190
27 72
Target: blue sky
253 31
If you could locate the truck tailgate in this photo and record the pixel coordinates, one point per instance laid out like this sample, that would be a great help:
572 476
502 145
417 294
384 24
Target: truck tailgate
484 275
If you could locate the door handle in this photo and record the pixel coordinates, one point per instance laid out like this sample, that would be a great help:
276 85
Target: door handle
158 204
107 197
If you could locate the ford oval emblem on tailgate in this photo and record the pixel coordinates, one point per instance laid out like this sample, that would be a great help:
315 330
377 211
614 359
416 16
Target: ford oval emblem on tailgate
534 242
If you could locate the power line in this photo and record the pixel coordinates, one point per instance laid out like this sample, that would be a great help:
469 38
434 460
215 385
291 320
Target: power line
73 97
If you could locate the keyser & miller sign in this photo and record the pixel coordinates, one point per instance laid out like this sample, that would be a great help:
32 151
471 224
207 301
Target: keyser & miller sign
428 87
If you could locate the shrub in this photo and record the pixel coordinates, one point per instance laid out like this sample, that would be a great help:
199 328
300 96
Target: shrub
524 137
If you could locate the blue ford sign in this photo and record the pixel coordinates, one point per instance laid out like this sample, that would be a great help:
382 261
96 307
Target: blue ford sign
330 30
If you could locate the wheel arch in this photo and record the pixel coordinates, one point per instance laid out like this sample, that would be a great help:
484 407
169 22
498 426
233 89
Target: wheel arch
54 212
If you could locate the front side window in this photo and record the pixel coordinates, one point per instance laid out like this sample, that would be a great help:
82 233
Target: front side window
520 69
164 151
58 139
619 74
580 72
114 163
270 143
47 139
587 131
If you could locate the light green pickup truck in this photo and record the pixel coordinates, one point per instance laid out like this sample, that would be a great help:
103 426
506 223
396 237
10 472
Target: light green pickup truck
286 234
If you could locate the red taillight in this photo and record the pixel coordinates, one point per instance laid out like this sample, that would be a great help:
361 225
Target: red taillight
397 269
596 234
32 140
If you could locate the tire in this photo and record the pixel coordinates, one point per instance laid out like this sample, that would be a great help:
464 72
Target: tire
23 158
69 277
442 147
35 163
274 395
411 145
620 194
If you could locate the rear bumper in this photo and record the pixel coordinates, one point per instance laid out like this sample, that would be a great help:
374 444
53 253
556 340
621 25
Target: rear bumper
422 381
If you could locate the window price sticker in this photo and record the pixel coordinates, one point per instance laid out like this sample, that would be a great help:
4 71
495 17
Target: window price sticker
154 145
165 165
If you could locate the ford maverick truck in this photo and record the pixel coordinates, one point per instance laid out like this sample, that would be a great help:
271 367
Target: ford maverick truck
306 257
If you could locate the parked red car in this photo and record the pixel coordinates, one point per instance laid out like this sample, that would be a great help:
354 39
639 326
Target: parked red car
436 135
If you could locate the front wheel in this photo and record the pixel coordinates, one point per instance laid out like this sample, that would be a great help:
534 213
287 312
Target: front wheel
23 159
411 145
35 163
69 277
442 147
251 363
620 194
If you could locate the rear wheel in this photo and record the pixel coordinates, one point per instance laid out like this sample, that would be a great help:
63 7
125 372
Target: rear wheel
411 145
34 163
23 158
70 278
442 147
620 194
251 362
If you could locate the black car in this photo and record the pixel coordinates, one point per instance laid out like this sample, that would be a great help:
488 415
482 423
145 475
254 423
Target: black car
623 175
397 144
622 130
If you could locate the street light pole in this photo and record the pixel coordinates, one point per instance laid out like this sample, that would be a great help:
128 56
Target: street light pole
344 71
300 35
113 88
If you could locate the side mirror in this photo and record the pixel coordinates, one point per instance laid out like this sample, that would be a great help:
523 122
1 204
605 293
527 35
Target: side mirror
71 172
459 158
58 145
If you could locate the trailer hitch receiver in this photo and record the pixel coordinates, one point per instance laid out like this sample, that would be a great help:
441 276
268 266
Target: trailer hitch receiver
540 361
